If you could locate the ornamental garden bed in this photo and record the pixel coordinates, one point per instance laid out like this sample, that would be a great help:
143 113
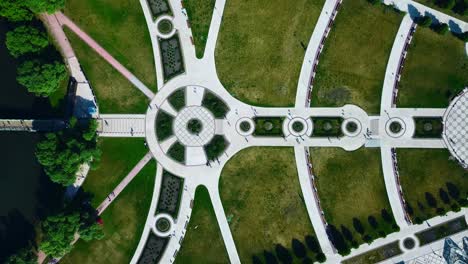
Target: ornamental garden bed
177 99
215 104
170 194
164 125
269 126
441 231
377 255
428 127
327 127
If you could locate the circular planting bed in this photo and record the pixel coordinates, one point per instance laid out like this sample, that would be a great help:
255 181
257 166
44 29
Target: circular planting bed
428 127
327 126
194 126
244 126
351 127
409 243
163 225
165 26
395 127
298 127
268 126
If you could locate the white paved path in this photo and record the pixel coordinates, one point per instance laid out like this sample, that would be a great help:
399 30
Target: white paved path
117 125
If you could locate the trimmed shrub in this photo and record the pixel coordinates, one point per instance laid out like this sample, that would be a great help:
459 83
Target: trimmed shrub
409 209
418 220
307 260
441 28
431 201
283 254
321 257
256 260
347 233
372 221
386 216
453 190
312 243
298 248
337 240
455 207
440 211
358 226
463 202
368 238
374 2
444 196
269 257
424 21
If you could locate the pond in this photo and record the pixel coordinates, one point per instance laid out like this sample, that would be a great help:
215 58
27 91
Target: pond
26 193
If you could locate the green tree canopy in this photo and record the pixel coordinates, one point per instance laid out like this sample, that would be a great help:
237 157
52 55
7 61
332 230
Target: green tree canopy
59 232
25 39
40 78
15 10
91 232
49 6
23 256
62 153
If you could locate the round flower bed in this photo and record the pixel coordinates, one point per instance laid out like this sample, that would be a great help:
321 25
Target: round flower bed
351 127
165 26
395 127
244 126
298 127
163 225
409 243
194 126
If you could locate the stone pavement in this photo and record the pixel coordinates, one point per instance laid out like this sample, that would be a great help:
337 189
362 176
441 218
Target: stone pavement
117 125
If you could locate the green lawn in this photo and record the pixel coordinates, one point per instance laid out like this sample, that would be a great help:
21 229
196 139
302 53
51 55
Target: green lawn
351 185
436 68
114 93
203 242
261 48
124 219
428 170
200 13
353 63
263 200
119 26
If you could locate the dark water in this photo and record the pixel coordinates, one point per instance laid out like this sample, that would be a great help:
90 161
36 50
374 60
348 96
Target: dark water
26 193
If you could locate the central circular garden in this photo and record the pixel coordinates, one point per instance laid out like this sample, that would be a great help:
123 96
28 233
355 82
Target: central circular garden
163 225
245 126
351 127
165 26
194 126
395 127
297 127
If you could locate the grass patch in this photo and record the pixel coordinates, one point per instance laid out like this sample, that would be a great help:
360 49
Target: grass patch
261 48
376 255
351 70
203 242
442 230
327 127
177 99
435 70
346 177
164 125
428 127
123 218
130 44
429 170
216 147
114 93
215 104
261 215
200 13
177 152
269 126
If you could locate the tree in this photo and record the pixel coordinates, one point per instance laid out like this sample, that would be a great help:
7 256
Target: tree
321 257
337 240
59 232
455 207
312 243
25 39
372 221
386 216
62 153
444 196
368 238
91 232
441 28
358 226
347 233
307 260
424 21
90 133
256 260
49 6
431 201
15 10
447 4
283 254
453 190
269 257
298 248
23 256
409 209
39 78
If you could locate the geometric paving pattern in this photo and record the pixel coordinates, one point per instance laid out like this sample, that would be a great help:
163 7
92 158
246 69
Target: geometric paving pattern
185 136
456 128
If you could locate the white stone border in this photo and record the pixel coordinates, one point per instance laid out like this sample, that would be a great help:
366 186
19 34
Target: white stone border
171 226
399 121
245 133
300 120
159 33
349 133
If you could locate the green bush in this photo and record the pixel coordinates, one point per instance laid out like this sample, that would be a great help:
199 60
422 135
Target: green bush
164 125
216 147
